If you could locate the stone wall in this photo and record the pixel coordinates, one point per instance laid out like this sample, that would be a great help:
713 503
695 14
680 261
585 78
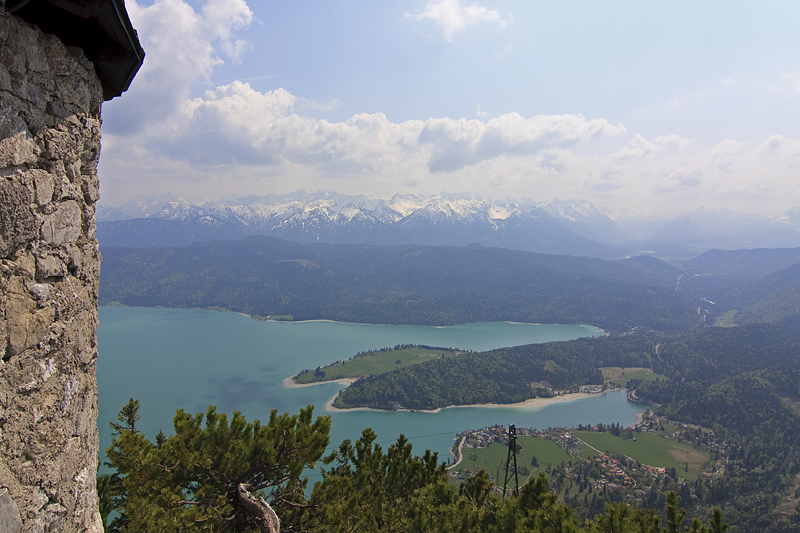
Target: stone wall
50 104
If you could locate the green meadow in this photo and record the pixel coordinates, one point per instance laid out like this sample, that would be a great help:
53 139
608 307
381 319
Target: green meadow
373 363
493 458
648 448
726 320
620 376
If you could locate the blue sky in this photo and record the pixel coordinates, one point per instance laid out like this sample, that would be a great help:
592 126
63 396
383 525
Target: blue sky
657 107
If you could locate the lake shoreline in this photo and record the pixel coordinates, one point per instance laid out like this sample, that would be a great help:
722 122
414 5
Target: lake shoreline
261 318
267 319
532 403
290 383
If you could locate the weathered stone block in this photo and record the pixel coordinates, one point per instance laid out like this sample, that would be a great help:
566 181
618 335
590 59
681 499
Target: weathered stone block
25 327
45 185
5 79
10 520
63 226
34 52
18 149
60 144
3 28
3 343
12 55
17 222
49 267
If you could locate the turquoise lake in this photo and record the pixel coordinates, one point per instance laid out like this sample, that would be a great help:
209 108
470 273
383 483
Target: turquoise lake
171 358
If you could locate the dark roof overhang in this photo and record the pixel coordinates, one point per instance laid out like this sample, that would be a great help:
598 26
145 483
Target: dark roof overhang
100 27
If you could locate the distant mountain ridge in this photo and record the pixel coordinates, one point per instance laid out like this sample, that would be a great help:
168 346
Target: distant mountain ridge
413 284
568 227
334 218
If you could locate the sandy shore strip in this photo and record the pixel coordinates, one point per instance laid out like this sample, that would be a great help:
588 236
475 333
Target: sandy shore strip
290 384
533 403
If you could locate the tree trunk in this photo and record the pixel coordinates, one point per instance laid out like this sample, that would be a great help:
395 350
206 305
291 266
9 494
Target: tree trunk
259 509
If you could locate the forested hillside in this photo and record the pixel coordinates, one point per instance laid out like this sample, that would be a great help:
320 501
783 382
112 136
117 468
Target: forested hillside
421 285
719 268
743 384
498 376
505 375
762 285
774 297
739 383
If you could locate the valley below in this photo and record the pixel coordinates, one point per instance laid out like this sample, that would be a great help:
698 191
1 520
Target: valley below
457 351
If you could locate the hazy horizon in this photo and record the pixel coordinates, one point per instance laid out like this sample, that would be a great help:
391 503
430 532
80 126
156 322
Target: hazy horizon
657 108
613 215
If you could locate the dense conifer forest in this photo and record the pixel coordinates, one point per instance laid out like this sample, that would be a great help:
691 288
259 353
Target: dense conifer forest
421 285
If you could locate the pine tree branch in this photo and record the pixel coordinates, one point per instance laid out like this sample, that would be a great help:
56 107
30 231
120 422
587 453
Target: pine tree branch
258 508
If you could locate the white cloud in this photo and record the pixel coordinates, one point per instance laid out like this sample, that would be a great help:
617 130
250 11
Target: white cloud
304 104
239 140
181 47
458 143
221 18
451 16
236 123
672 142
640 147
780 148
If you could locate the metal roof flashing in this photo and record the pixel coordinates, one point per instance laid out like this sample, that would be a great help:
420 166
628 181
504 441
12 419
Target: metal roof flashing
100 27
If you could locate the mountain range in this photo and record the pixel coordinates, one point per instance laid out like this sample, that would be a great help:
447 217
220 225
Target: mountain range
563 227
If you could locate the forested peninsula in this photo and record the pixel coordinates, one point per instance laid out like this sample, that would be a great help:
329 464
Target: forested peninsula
741 384
511 375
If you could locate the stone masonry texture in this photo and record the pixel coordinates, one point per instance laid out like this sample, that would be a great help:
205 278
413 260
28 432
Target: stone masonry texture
50 102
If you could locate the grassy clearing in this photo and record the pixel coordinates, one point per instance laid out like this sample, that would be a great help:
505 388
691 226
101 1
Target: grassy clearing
726 320
281 318
374 363
493 458
648 448
620 376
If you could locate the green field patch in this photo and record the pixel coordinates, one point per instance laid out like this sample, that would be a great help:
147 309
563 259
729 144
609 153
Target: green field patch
648 448
726 320
377 362
493 458
281 318
620 376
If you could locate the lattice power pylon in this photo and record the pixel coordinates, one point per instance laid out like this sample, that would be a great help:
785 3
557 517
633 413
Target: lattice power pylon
512 452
